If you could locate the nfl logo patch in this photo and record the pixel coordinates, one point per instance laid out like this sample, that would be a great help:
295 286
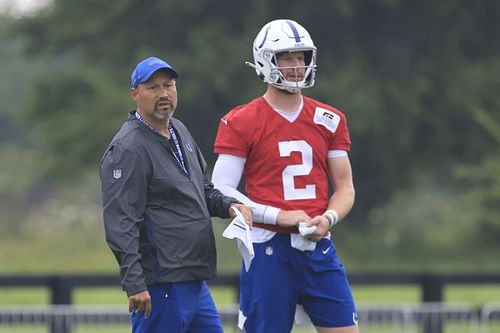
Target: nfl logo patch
117 173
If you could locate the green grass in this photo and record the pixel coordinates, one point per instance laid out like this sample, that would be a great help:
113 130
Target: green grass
470 294
100 296
388 294
24 296
476 295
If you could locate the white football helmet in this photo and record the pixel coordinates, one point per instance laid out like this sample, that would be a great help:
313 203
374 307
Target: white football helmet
280 36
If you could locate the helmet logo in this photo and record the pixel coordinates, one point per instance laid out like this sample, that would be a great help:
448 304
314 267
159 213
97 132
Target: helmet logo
295 31
265 37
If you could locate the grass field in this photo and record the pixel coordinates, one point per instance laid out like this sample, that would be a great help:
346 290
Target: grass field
473 295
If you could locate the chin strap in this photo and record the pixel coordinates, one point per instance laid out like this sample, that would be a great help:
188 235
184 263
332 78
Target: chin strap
249 64
291 90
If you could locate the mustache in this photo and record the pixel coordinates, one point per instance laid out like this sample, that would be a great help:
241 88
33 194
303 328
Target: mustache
163 100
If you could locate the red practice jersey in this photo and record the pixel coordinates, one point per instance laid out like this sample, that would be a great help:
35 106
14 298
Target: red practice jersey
286 162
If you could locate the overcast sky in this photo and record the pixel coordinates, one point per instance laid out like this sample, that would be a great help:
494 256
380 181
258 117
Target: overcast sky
22 6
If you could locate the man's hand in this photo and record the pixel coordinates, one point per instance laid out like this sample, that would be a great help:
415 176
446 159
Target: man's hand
291 218
245 211
140 303
322 224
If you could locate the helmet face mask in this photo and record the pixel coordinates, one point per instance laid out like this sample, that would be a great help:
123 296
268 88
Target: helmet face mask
284 36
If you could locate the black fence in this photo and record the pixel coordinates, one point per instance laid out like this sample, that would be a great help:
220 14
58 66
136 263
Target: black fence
432 286
61 286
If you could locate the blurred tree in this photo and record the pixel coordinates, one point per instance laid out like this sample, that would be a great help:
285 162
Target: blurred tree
417 79
483 180
390 65
18 173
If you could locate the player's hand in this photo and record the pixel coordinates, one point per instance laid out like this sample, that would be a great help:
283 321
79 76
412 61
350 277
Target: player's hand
245 211
291 218
140 303
322 224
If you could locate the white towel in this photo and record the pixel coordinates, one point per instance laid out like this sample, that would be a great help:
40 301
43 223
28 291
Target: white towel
241 231
299 242
305 230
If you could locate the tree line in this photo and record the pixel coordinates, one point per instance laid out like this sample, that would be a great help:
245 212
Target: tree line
418 81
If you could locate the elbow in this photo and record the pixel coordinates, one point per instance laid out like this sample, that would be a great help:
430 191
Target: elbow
224 188
349 195
352 195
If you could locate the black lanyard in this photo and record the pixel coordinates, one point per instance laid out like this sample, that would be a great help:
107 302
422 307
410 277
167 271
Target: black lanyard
177 152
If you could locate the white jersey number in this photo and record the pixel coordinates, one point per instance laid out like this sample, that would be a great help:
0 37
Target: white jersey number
290 191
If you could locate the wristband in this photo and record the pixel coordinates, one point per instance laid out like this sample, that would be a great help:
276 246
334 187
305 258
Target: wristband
270 215
332 217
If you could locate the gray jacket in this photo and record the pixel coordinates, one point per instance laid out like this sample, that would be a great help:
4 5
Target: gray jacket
156 217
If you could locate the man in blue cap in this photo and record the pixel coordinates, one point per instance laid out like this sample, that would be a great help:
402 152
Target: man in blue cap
157 204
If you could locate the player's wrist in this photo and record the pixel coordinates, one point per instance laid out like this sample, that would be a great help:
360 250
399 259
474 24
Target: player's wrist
332 217
325 221
271 215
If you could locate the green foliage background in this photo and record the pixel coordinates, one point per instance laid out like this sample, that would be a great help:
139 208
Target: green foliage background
418 81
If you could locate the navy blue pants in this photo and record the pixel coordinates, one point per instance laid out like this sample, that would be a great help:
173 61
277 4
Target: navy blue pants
185 307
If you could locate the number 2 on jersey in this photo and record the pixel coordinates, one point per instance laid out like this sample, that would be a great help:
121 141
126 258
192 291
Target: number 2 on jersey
303 169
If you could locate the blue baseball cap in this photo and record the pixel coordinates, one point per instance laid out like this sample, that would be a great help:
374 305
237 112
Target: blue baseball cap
148 67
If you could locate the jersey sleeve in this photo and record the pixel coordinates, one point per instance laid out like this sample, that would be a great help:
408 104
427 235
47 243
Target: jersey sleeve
232 136
341 139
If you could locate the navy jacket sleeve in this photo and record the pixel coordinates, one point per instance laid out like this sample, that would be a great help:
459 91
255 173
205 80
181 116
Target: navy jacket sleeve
124 187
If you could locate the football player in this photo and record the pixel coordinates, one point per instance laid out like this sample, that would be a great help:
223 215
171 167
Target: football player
287 148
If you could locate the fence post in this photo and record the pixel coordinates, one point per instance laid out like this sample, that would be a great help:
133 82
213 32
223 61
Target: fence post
61 290
432 291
